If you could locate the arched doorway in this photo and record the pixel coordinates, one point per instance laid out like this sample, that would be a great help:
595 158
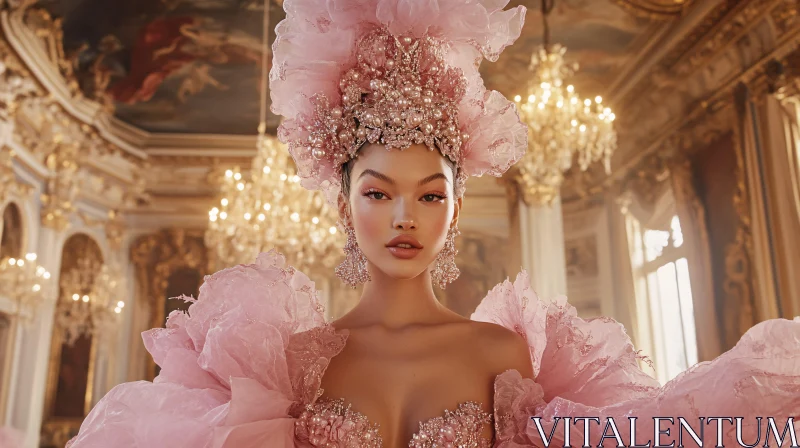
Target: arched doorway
71 367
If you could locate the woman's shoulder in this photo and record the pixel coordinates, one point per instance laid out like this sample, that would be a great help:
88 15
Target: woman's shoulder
503 349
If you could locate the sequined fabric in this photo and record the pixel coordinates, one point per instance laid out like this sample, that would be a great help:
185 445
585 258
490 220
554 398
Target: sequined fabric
459 428
333 424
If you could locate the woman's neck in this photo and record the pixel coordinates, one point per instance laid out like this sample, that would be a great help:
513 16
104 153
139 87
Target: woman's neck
398 303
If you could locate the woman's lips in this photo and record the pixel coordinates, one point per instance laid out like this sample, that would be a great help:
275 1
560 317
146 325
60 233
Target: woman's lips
404 247
404 253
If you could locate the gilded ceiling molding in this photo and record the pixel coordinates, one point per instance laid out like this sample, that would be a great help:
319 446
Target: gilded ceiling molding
655 9
69 157
10 187
36 37
693 111
678 91
719 30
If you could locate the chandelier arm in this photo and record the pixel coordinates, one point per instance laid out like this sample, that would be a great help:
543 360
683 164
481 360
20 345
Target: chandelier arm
262 122
547 7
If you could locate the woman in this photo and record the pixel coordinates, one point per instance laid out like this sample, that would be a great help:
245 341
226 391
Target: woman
386 112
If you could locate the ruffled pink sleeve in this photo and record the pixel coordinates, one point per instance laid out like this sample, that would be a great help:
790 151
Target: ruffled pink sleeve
234 370
589 368
10 438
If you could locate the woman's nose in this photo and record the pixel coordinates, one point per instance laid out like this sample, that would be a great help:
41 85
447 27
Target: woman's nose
405 224
404 216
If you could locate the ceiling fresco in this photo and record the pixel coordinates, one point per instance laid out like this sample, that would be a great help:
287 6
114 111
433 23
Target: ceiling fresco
169 65
192 66
599 35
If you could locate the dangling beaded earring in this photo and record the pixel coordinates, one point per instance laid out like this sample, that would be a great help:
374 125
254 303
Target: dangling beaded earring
353 270
445 270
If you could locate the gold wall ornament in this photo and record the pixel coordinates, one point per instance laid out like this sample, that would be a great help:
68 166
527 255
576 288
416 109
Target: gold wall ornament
562 126
50 31
115 229
15 83
785 15
10 186
655 9
58 200
750 263
647 180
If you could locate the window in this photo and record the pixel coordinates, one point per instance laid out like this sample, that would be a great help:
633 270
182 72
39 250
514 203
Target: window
661 271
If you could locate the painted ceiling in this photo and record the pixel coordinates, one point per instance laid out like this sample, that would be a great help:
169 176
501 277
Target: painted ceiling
192 66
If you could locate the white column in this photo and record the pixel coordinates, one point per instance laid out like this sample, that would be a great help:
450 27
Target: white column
31 384
119 373
541 231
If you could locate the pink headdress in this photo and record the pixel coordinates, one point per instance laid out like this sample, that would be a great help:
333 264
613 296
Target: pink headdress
395 72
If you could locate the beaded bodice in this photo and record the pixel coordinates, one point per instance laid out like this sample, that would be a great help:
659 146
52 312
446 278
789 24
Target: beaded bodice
330 423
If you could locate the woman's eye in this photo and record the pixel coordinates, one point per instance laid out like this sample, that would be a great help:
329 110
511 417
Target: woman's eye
432 198
376 195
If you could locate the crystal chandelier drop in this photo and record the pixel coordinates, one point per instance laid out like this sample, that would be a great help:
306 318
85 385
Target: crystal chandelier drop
89 302
561 125
271 209
25 283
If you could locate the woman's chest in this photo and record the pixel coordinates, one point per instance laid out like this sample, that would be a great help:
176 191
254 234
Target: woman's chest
404 393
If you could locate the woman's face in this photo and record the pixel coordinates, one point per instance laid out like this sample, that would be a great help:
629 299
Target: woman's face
401 205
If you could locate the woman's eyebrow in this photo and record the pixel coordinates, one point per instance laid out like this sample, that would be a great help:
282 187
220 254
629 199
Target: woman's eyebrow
377 175
433 177
387 179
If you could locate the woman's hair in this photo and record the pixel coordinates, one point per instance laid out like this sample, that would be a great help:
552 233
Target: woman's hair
347 169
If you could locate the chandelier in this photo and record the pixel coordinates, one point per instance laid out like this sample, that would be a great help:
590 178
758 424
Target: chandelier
89 302
561 125
25 283
271 209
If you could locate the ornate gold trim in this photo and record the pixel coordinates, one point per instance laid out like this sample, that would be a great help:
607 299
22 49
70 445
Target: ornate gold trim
738 284
655 9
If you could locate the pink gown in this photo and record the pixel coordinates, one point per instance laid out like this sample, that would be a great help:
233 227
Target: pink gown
242 370
10 438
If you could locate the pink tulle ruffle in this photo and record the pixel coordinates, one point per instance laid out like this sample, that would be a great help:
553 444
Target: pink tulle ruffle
232 370
590 369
